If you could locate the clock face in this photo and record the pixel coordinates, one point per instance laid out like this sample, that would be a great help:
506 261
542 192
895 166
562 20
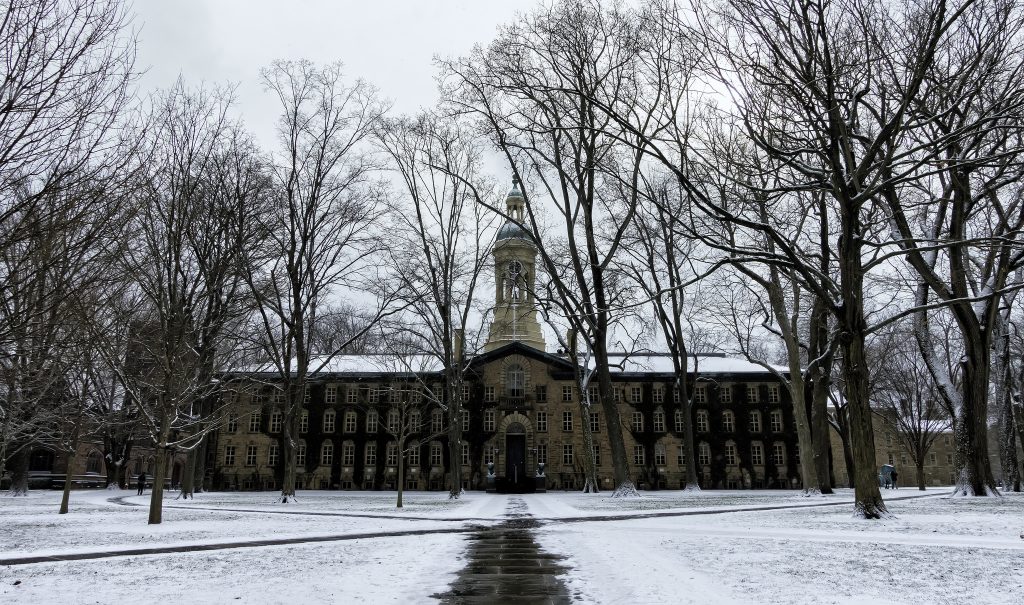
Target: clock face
515 268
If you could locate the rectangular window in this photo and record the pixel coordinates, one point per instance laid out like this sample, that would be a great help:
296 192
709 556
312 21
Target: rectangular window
725 393
776 421
392 454
331 394
702 421
232 423
436 422
273 454
680 456
465 454
700 393
414 454
730 454
435 454
229 455
675 394
659 395
276 418
250 455
635 394
592 392
348 453
488 455
489 394
542 422
372 394
704 454
350 422
779 454
597 454
773 393
567 421
567 454
756 454
300 455
372 420
755 422
752 393
595 422
278 398
542 454
638 422
304 422
327 454
465 421
371 454
489 420
659 455
679 421
638 455
566 392
352 394
305 395
465 392
254 421
329 417
659 422
932 459
541 393
728 421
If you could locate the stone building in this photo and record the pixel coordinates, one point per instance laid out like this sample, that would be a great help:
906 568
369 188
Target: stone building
522 410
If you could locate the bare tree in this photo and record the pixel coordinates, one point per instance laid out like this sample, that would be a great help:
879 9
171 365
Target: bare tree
532 90
200 186
907 395
441 248
321 230
69 66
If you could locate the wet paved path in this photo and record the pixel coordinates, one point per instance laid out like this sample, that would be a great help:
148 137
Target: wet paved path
506 565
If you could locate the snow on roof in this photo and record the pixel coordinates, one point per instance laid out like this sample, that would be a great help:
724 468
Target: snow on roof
662 364
648 363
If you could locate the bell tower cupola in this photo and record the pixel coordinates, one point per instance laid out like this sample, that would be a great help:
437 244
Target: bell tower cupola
515 259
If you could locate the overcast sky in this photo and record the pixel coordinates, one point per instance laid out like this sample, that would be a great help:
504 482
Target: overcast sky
391 43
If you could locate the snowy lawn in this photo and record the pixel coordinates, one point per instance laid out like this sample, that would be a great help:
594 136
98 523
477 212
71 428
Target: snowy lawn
934 550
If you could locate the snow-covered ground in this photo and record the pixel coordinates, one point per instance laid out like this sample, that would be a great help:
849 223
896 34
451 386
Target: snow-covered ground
649 550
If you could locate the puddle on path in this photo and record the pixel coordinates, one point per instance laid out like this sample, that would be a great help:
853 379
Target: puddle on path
506 565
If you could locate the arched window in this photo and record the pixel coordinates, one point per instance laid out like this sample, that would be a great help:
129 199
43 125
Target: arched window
659 420
348 453
436 457
515 380
327 453
728 421
757 453
415 420
329 419
350 421
393 419
436 421
300 456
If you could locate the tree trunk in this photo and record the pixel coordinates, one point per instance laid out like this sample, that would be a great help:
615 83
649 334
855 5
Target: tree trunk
590 483
974 471
199 470
820 435
188 475
624 486
920 474
19 472
853 329
1008 445
455 438
401 472
156 498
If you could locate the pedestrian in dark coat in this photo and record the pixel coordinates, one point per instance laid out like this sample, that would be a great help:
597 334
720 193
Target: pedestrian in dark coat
142 482
894 476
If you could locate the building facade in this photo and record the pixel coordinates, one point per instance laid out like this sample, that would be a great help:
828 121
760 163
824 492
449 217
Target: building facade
522 410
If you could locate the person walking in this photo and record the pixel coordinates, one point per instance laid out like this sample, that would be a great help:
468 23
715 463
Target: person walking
142 482
894 477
